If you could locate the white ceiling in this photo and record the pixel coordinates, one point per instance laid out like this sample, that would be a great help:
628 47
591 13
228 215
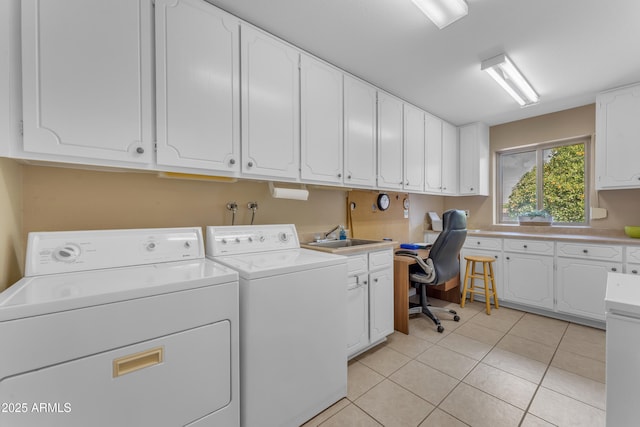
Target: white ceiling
569 50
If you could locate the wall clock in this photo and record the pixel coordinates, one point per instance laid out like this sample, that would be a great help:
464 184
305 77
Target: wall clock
383 201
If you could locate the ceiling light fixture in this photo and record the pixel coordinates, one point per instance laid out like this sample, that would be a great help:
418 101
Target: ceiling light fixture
509 77
443 12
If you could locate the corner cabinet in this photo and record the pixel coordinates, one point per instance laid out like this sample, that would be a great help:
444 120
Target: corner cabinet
474 160
369 300
321 121
413 149
270 93
201 128
87 80
618 138
359 133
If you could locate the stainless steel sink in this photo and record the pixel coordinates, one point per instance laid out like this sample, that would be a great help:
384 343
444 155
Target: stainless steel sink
343 243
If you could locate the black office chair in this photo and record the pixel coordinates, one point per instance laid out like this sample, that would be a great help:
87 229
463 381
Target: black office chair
442 264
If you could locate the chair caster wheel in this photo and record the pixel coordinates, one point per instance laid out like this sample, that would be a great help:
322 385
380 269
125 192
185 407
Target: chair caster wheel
440 328
456 318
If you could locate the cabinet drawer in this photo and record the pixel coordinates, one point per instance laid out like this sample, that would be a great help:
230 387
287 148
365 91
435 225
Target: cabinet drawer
542 247
580 250
380 259
357 264
487 243
633 254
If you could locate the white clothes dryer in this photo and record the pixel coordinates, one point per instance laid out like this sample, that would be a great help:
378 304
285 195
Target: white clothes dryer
120 328
293 303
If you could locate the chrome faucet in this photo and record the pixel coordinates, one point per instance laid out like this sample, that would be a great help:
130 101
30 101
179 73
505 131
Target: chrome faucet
327 234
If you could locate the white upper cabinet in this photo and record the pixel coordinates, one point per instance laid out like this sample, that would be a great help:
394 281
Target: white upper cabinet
197 86
449 159
413 149
321 119
474 160
87 80
441 156
390 140
270 90
618 138
433 154
359 133
10 95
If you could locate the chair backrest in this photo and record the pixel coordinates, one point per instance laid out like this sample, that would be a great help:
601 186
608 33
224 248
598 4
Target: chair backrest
445 250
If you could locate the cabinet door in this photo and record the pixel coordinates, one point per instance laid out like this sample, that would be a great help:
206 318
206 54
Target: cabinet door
380 304
433 154
359 133
449 159
474 159
270 106
87 79
497 270
321 121
528 279
357 313
197 90
413 149
581 286
10 95
390 155
618 133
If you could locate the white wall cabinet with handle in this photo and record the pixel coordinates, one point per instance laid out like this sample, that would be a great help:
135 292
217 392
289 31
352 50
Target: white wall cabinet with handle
414 146
390 142
197 87
322 146
87 87
359 133
270 91
474 160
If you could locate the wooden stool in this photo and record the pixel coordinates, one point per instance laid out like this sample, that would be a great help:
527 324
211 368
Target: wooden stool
487 274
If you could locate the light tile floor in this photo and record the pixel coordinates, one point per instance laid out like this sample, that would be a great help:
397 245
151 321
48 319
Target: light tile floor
509 368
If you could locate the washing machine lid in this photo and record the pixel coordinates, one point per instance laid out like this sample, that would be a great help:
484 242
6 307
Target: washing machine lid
264 264
623 294
32 296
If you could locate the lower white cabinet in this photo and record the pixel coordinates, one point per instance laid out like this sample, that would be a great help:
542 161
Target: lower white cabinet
369 300
528 279
633 260
581 277
497 269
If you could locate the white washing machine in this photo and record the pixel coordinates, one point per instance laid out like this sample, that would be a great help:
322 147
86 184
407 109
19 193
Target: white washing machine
120 328
293 346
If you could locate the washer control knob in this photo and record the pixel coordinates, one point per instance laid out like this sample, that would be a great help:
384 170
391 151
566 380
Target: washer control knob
67 253
262 238
151 246
284 237
224 241
250 239
187 245
237 240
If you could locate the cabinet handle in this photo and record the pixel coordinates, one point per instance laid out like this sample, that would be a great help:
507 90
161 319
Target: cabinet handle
478 242
524 246
495 256
140 150
407 183
614 269
375 280
634 271
348 176
232 161
471 189
508 258
339 175
365 282
250 164
585 251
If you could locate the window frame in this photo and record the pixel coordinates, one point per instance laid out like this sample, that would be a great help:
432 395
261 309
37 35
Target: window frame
539 150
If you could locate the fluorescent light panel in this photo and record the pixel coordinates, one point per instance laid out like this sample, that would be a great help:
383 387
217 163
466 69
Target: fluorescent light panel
443 12
509 77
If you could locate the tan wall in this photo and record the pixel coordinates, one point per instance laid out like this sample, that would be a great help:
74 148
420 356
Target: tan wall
622 205
11 241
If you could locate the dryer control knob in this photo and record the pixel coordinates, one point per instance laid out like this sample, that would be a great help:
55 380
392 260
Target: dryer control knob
67 253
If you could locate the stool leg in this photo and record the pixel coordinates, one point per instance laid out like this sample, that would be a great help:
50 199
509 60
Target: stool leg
487 297
464 285
493 286
473 280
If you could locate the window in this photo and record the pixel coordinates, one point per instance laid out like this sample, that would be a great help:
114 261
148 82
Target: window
550 177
